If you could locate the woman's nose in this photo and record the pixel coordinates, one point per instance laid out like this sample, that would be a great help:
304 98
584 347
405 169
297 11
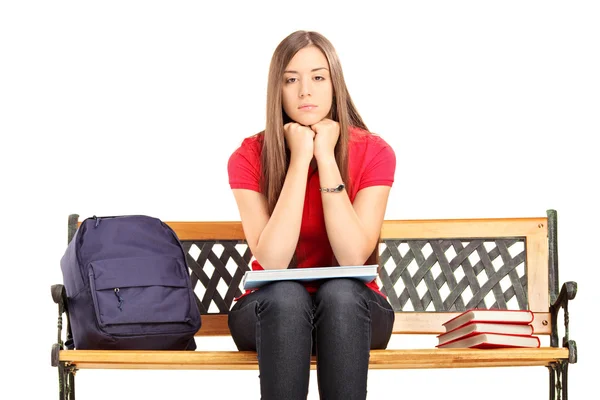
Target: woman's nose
305 89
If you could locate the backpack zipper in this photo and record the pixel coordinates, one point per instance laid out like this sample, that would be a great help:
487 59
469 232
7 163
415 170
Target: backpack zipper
120 306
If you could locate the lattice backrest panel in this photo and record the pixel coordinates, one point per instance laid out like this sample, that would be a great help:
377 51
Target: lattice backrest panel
217 268
416 275
454 275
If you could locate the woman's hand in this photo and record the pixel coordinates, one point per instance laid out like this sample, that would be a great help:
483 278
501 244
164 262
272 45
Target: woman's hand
300 140
327 134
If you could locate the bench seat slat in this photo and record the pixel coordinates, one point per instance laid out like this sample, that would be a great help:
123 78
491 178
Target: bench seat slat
313 366
380 359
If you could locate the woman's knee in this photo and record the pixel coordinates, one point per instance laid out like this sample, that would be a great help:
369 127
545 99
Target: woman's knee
341 293
285 297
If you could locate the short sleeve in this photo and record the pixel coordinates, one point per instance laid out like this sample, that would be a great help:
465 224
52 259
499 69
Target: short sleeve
244 169
381 168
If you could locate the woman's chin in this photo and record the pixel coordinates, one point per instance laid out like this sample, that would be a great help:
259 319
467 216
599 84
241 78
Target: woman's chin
308 120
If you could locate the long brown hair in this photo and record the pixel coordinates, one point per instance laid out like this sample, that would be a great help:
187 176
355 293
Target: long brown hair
275 157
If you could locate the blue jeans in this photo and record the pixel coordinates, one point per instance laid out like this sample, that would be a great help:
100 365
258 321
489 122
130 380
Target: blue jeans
285 325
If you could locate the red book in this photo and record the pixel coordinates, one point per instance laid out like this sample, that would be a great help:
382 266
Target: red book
474 328
496 316
492 341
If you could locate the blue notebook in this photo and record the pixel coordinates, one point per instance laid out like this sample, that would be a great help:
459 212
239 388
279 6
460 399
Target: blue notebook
256 279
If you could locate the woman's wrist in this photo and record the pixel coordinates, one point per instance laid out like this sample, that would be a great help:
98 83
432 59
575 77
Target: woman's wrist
325 159
300 160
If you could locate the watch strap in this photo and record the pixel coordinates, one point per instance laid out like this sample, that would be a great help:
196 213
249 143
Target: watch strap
336 189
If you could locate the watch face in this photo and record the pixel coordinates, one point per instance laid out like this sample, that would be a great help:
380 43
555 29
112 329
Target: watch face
340 188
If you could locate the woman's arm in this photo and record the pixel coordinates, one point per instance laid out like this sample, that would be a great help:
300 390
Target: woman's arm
273 239
353 229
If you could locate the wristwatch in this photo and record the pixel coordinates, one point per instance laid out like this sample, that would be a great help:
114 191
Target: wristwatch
336 189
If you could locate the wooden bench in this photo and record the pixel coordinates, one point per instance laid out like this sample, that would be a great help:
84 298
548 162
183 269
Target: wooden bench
431 271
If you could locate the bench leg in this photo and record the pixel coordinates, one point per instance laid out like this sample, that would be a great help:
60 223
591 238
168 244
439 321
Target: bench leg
66 381
558 380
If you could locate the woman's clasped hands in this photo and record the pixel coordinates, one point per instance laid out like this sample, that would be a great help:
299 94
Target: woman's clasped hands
318 140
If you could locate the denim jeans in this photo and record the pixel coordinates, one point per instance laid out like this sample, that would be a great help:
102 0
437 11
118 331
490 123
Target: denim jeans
285 325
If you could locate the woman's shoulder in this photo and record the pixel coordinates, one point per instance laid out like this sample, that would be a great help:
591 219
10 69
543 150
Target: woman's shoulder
244 164
253 142
251 146
363 140
372 160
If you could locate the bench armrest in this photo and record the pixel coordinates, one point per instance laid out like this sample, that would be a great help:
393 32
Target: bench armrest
59 295
567 292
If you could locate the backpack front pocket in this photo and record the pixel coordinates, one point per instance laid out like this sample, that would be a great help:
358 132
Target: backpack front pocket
140 290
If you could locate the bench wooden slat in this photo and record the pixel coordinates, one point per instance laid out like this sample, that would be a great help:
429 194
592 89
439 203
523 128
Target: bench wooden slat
313 366
405 323
461 228
391 229
537 269
380 359
227 230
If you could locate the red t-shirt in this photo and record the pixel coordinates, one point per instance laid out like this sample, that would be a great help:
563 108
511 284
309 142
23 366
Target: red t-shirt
372 162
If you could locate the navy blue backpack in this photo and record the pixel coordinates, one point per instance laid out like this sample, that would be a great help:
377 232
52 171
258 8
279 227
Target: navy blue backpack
128 286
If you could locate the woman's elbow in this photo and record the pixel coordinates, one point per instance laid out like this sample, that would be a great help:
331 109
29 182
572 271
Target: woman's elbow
354 259
269 261
358 257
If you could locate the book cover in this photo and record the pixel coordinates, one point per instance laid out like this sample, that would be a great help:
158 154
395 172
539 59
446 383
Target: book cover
492 341
474 328
494 315
256 279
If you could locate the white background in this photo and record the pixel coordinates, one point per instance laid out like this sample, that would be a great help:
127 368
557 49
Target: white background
120 107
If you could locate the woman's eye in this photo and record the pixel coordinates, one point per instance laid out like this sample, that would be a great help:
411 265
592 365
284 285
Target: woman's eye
319 78
290 80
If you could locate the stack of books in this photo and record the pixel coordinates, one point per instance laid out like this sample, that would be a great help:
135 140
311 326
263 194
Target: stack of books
488 329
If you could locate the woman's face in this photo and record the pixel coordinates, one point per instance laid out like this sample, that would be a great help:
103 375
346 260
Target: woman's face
307 91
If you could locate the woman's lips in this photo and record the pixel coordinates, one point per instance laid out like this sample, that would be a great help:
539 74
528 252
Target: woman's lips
307 107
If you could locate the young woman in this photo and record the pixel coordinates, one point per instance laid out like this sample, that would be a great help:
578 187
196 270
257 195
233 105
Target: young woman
312 191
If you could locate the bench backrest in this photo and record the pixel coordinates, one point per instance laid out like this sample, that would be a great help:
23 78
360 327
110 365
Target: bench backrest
430 269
